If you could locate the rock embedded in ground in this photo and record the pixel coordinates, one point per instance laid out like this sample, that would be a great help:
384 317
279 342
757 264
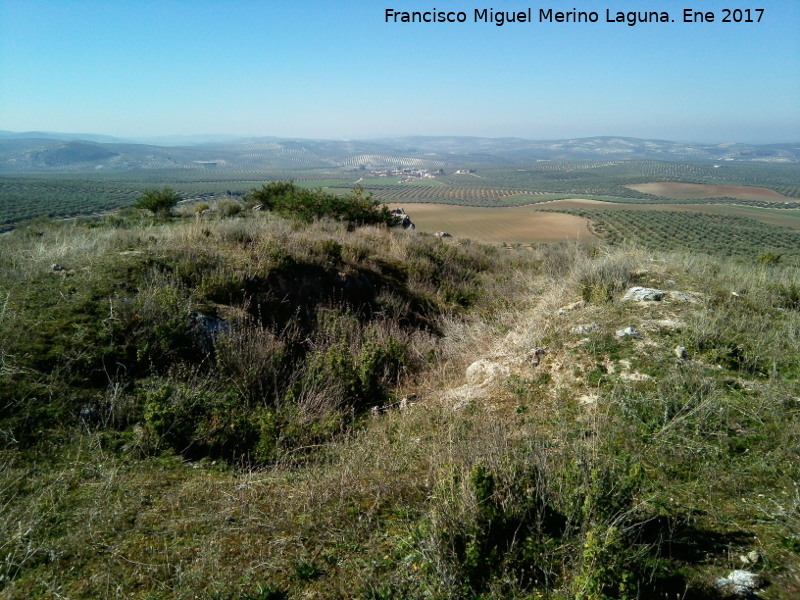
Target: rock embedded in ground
739 583
484 371
750 558
681 352
584 328
643 294
627 332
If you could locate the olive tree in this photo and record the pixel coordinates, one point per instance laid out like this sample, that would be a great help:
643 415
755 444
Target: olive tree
158 201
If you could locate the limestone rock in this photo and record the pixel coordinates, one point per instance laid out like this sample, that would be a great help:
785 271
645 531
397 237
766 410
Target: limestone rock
739 583
405 220
484 371
628 332
643 294
750 558
584 328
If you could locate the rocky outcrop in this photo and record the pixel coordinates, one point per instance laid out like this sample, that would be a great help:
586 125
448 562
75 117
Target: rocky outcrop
628 332
584 328
205 330
404 219
645 294
739 584
483 372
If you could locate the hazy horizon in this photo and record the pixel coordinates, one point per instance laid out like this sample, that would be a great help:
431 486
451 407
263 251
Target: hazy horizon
211 138
143 70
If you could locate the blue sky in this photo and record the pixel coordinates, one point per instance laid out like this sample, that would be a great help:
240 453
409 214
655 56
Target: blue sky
312 69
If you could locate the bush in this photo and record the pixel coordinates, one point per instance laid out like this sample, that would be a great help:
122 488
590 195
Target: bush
289 200
200 421
229 208
159 202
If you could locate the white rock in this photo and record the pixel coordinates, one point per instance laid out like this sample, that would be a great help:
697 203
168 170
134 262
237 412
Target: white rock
643 294
627 332
484 371
584 328
739 583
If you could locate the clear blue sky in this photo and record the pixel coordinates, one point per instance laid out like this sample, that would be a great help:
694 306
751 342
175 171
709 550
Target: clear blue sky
335 69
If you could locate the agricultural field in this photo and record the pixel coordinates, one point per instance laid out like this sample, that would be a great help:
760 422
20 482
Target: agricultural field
494 204
512 225
696 191
700 232
770 216
54 195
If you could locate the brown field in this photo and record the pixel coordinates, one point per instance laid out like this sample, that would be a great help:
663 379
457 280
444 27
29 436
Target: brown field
691 191
517 224
771 216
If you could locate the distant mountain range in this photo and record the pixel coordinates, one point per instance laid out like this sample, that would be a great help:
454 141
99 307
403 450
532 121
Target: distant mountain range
53 152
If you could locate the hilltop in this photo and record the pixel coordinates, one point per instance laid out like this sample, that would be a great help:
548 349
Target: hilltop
229 403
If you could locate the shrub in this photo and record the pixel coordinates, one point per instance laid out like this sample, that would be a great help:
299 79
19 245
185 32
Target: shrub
229 208
289 200
769 258
200 420
159 202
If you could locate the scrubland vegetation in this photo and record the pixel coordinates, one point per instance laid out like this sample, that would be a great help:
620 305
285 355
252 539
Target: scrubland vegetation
272 404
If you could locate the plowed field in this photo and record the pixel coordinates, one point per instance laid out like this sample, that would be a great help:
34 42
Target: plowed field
517 224
691 191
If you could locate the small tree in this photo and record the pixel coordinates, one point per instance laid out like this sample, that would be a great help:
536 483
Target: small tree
158 201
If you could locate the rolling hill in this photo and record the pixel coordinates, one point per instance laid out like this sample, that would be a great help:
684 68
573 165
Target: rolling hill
46 152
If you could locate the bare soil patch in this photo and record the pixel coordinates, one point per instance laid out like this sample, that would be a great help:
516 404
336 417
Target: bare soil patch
690 191
517 224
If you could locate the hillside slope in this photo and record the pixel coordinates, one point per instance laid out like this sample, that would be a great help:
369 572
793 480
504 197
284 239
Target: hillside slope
248 407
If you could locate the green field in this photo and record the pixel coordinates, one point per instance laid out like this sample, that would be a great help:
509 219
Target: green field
714 234
27 196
